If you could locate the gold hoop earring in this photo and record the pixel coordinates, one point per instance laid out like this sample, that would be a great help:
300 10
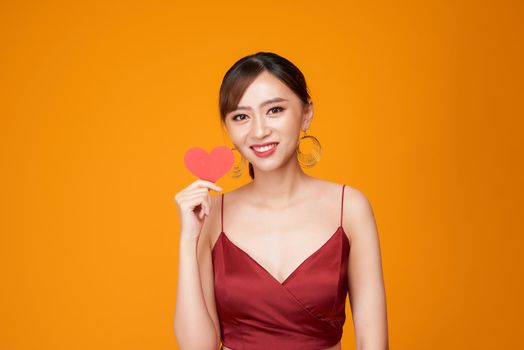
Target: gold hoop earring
309 160
238 169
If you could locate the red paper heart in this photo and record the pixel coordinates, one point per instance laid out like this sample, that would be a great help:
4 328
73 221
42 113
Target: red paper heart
210 167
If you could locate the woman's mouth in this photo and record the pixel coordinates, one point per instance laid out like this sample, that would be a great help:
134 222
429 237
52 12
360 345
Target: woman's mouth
266 150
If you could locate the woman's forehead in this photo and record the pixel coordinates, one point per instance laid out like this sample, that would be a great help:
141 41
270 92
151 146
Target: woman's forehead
265 87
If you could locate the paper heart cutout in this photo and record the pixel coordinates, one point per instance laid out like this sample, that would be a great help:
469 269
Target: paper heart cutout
210 167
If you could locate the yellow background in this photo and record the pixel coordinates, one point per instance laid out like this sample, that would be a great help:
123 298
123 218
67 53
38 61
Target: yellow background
419 104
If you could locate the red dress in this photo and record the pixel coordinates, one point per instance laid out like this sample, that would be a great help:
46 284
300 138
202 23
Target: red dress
304 312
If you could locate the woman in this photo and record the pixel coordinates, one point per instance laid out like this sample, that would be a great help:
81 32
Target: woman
265 266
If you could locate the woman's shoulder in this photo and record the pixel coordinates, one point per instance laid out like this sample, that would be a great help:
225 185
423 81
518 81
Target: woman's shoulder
237 191
349 190
354 195
357 211
356 203
356 199
216 197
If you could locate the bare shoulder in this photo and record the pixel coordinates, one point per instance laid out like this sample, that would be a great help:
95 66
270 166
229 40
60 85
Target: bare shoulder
237 194
355 199
358 211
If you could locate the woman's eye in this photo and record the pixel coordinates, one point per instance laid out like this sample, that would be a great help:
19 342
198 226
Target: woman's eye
279 109
238 115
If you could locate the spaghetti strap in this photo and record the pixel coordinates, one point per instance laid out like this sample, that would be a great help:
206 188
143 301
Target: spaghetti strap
342 205
222 215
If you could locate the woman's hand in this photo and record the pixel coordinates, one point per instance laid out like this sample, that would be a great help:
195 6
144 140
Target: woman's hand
194 203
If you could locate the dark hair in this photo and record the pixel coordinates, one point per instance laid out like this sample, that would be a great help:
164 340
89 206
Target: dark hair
244 72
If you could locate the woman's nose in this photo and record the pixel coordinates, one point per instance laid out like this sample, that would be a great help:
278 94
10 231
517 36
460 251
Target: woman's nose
259 128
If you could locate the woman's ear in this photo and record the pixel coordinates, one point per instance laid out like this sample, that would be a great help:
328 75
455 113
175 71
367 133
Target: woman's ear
307 114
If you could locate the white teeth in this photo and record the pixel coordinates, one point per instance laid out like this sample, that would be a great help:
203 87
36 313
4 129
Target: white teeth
265 148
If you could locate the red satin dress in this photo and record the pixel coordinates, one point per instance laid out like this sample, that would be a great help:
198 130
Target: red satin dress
304 312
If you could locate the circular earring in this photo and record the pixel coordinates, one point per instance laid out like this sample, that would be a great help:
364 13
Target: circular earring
238 168
309 160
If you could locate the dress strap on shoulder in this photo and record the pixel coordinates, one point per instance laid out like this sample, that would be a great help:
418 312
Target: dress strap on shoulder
222 214
342 204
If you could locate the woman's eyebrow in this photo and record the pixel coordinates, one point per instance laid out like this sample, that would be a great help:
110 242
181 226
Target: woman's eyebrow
276 99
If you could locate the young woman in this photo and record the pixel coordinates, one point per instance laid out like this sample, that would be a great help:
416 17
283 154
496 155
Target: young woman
269 265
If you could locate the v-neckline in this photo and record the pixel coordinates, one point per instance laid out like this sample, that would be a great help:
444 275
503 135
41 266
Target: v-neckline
297 269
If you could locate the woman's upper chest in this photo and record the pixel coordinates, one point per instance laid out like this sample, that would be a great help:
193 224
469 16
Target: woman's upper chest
279 240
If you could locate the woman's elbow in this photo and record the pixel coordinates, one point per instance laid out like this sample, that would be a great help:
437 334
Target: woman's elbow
187 340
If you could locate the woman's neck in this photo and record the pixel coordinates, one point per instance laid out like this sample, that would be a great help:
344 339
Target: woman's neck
278 188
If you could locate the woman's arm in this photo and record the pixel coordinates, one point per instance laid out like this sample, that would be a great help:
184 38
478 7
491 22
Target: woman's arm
196 325
366 285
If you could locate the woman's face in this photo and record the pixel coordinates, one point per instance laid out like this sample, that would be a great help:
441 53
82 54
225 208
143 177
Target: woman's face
268 112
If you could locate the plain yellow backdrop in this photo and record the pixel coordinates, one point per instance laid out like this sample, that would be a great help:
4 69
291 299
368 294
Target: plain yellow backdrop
419 104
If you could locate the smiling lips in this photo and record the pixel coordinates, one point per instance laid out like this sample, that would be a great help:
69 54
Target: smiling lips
265 150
